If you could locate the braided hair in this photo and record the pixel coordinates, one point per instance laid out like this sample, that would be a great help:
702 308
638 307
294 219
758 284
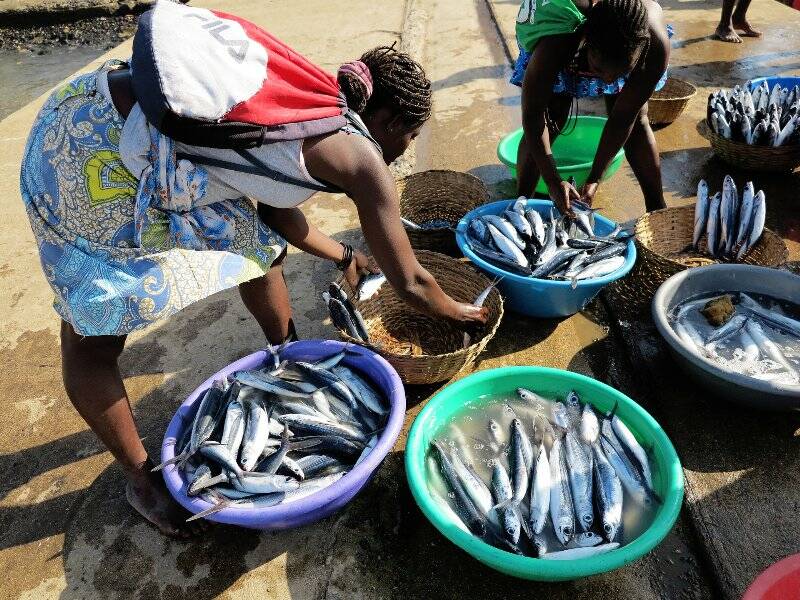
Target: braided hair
399 82
619 30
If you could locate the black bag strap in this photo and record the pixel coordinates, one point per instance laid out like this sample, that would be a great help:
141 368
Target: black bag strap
255 167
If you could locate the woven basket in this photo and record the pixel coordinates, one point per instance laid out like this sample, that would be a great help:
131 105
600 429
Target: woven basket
421 348
752 158
447 195
662 237
669 102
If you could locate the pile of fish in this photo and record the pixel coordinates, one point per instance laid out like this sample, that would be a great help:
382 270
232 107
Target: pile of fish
427 225
732 225
279 433
521 242
344 315
759 118
752 339
567 481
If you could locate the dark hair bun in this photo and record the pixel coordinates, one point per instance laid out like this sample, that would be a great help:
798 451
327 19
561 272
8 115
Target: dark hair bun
354 89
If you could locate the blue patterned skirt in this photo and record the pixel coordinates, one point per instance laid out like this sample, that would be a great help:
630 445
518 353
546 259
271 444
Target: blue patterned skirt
80 200
577 86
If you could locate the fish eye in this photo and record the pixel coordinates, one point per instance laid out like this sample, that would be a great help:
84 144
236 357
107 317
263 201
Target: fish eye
567 530
587 519
607 528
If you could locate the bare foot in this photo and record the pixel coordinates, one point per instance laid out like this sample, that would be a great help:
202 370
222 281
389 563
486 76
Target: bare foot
148 495
727 34
743 26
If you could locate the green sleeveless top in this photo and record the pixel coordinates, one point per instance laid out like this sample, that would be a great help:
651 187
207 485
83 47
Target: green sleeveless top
539 18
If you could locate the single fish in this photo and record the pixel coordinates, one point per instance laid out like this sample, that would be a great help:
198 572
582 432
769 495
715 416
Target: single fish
600 268
473 485
735 324
559 259
700 212
519 463
541 482
745 216
503 494
632 445
533 398
587 539
580 553
769 347
341 317
580 480
323 426
234 426
479 303
507 246
255 434
537 226
757 224
729 209
713 224
562 512
607 494
629 474
560 415
590 426
500 260
369 286
574 408
410 224
506 229
465 509
520 223
772 317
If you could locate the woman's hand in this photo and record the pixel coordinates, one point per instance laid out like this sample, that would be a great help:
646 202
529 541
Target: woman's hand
469 313
360 265
562 194
588 191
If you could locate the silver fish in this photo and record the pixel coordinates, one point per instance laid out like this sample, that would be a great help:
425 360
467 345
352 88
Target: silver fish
735 324
507 246
506 228
410 224
322 426
768 346
562 511
233 428
520 223
509 517
362 390
713 225
757 224
587 539
700 212
255 434
537 226
629 441
560 415
479 303
600 268
574 408
745 216
541 482
314 464
260 483
580 480
579 553
590 426
465 508
608 494
729 209
519 462
629 475
369 286
772 317
473 485
341 317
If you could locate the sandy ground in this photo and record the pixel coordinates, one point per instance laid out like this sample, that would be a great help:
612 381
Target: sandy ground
65 530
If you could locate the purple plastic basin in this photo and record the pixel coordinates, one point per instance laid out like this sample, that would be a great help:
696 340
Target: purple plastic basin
325 502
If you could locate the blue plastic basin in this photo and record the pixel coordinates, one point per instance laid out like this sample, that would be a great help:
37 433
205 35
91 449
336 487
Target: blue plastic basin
789 82
542 297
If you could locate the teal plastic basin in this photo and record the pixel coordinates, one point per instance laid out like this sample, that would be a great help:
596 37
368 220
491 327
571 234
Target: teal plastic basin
573 151
667 472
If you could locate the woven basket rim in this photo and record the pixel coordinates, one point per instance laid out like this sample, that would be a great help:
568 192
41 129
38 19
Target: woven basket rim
659 97
690 207
461 352
713 137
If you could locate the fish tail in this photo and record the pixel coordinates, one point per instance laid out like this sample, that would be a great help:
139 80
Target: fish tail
613 411
222 504
179 459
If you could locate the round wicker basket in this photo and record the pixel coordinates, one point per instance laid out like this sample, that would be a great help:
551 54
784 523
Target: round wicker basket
439 194
421 348
669 102
752 158
662 239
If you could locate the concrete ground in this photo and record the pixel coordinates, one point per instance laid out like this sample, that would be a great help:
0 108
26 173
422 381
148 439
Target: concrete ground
65 529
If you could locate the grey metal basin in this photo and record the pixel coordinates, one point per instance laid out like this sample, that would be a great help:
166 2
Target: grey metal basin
738 388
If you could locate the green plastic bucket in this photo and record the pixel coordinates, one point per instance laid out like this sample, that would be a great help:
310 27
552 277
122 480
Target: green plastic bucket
667 472
573 151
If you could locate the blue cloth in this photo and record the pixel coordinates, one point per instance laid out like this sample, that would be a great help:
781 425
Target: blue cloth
121 253
578 86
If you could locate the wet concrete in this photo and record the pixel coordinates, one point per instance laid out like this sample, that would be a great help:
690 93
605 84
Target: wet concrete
65 529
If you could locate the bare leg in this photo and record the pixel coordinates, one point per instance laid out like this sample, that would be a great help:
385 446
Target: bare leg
94 386
739 19
267 299
527 169
642 154
725 31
